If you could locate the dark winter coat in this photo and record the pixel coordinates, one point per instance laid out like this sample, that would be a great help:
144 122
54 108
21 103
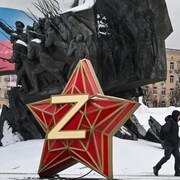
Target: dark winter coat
171 130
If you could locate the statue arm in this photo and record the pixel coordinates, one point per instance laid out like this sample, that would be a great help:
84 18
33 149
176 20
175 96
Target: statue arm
63 32
86 51
71 48
6 28
49 40
13 57
30 52
14 54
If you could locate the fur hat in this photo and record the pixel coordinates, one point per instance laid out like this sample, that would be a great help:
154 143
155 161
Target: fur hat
175 114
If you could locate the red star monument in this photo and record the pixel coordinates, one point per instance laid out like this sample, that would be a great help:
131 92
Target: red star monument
80 123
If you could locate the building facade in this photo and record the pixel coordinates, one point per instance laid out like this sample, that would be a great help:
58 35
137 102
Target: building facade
6 82
3 90
166 93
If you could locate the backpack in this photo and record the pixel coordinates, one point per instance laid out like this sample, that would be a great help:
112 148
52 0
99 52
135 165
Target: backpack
161 133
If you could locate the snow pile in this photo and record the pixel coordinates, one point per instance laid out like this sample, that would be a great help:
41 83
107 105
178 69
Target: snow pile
87 4
8 136
143 113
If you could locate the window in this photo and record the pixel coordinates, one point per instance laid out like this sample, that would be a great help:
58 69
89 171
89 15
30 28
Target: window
147 104
13 78
162 104
5 94
171 65
171 79
154 103
155 90
171 92
146 90
6 79
163 91
171 103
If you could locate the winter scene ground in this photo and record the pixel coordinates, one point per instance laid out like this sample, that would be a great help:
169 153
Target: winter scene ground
131 159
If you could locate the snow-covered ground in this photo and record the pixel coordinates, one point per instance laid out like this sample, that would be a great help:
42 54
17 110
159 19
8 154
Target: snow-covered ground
143 113
131 159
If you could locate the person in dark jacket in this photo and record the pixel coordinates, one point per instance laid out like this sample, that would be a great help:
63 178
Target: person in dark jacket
171 143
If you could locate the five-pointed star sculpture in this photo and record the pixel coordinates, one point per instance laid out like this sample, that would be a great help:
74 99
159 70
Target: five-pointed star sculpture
80 123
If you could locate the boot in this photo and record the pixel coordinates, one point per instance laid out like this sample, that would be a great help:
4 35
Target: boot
177 174
155 171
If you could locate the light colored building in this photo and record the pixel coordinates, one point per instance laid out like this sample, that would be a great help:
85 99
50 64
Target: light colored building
6 82
3 90
166 93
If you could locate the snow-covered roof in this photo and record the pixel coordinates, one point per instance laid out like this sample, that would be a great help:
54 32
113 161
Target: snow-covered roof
64 5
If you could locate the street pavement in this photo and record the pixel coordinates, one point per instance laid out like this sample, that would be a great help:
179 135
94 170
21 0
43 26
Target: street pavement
120 177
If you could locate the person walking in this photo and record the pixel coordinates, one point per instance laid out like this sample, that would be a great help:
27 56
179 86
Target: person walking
170 143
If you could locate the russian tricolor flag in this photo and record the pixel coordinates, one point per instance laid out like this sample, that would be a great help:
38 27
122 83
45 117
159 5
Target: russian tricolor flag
9 15
13 10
